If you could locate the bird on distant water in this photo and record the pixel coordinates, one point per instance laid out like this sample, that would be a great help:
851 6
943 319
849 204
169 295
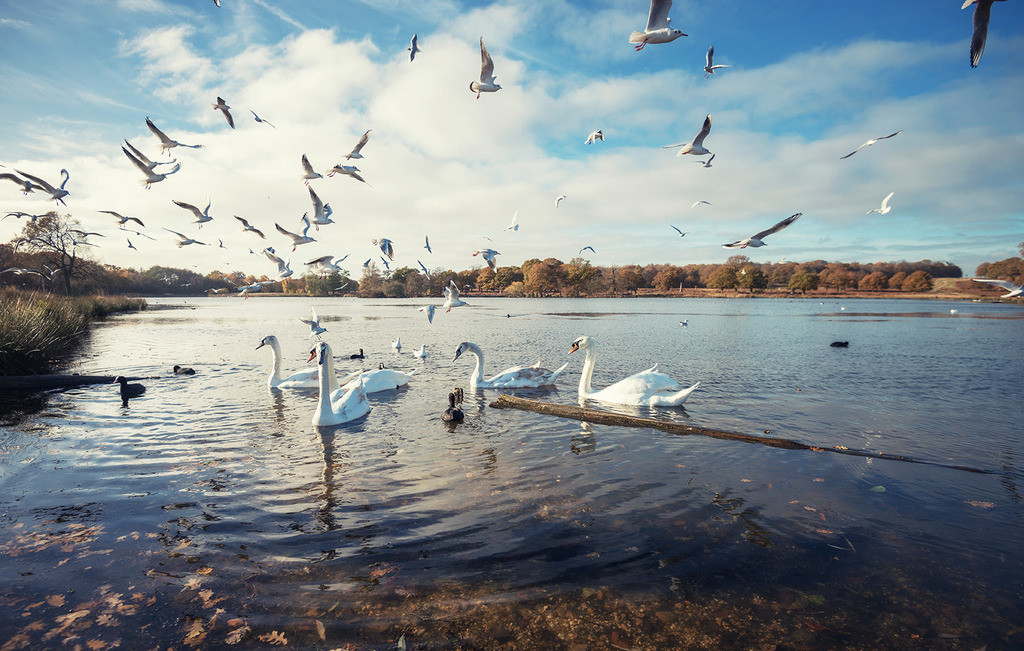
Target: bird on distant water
166 143
657 30
183 370
223 107
982 13
695 146
133 390
870 142
710 67
413 48
756 240
487 79
1015 290
453 414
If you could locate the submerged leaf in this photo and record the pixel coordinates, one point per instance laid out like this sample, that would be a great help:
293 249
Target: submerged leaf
321 630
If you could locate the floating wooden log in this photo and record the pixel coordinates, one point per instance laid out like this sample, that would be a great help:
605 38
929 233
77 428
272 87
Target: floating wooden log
608 418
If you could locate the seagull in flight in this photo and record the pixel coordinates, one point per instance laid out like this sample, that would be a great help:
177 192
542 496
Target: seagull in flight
359 146
202 216
259 119
385 246
756 240
57 194
166 144
424 268
222 106
488 256
1015 290
184 241
249 228
26 186
697 203
413 48
148 163
681 233
385 261
296 238
594 137
283 268
307 171
657 30
559 200
487 78
870 142
710 67
325 265
151 176
426 245
587 248
514 226
982 13
347 170
706 163
321 212
451 294
122 220
315 329
885 206
695 146
429 310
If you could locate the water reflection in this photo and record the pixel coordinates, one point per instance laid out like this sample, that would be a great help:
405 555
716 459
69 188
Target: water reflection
583 442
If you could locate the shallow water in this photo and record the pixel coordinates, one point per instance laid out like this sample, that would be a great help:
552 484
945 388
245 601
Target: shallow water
210 509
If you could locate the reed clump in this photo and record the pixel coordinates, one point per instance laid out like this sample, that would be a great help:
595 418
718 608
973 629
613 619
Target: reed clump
37 329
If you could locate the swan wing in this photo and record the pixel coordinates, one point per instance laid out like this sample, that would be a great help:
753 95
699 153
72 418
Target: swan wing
637 389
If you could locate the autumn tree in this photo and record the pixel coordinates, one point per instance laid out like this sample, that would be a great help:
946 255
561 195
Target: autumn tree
804 281
873 282
751 277
580 277
723 278
372 283
896 281
919 281
629 278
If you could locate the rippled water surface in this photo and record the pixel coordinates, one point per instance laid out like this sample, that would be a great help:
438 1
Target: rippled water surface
210 513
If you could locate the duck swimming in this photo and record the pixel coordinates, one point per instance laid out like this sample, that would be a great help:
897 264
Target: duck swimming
358 355
183 370
453 414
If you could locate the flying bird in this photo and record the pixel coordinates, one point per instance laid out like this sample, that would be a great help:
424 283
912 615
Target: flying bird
451 294
130 245
122 220
487 78
426 245
706 163
385 261
697 203
885 206
145 160
347 170
559 200
321 212
296 238
385 246
424 268
710 67
307 171
249 228
259 119
325 265
184 241
429 309
315 329
359 146
26 186
202 216
681 233
413 48
166 144
1015 290
756 240
657 30
57 194
594 137
869 143
222 106
514 226
151 176
587 248
488 256
695 146
283 267
982 13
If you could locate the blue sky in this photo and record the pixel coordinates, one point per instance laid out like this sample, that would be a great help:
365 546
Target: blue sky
809 83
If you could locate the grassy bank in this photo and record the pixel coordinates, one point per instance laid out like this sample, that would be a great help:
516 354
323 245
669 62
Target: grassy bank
37 329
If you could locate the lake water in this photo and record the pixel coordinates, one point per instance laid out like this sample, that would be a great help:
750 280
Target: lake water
209 513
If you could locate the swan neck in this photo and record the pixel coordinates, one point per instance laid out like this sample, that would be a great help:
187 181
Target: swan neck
588 372
276 375
478 372
324 375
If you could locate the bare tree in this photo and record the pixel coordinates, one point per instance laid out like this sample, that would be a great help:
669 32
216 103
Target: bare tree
57 240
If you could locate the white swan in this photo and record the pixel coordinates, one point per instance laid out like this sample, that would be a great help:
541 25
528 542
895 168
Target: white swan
335 406
517 377
307 378
381 379
648 388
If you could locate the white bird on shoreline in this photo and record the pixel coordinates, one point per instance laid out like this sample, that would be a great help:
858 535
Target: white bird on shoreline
151 176
166 144
223 107
359 146
982 13
657 30
695 146
56 194
870 142
756 240
885 206
397 344
202 216
297 238
487 79
710 67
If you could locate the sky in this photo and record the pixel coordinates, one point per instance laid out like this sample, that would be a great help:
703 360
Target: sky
809 82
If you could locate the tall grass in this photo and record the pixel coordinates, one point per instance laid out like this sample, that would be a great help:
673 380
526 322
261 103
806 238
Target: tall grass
37 329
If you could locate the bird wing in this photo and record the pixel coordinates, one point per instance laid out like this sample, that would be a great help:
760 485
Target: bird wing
145 169
227 114
704 131
486 65
38 181
318 205
676 230
157 132
890 135
1005 284
658 16
735 245
244 221
885 202
711 56
138 154
187 206
306 167
284 232
273 258
324 259
176 233
362 142
981 17
778 227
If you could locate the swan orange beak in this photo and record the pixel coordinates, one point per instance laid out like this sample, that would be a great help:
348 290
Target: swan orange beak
312 354
575 346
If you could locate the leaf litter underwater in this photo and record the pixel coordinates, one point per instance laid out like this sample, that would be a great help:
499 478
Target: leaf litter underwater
208 514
